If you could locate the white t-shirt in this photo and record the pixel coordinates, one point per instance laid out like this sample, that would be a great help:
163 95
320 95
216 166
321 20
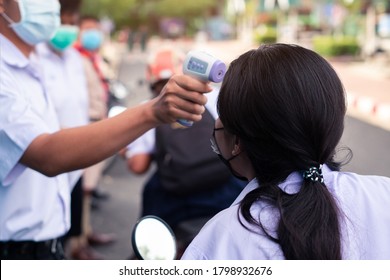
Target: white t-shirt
64 79
64 76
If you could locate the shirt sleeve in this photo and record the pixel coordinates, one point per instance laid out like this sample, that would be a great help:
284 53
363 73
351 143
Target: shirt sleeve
193 253
19 126
145 144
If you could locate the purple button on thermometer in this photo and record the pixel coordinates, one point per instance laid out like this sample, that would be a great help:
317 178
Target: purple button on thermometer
204 67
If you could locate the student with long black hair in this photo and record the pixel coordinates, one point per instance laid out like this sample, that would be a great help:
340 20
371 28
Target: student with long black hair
282 111
36 154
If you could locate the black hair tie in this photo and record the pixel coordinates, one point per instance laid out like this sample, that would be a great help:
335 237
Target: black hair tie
314 174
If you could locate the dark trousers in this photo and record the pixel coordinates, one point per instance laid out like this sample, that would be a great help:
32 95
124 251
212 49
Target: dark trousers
31 250
76 210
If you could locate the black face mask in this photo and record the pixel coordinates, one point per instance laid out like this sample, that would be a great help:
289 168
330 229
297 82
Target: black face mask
216 150
227 163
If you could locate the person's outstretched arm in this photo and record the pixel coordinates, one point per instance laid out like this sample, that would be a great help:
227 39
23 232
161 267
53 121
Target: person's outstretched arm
76 148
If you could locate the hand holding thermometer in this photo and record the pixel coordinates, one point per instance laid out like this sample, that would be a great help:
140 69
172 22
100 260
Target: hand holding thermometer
204 67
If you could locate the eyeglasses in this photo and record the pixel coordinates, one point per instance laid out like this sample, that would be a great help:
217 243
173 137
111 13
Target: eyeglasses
214 145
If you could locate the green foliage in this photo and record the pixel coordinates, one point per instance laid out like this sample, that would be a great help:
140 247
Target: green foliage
353 6
354 24
308 22
174 8
135 12
335 46
265 34
118 9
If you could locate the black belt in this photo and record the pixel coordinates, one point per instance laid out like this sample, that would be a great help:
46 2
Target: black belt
8 249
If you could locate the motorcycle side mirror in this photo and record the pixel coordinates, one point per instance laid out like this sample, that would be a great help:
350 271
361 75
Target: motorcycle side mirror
153 239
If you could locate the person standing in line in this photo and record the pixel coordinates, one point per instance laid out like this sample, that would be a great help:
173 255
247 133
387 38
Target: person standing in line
64 78
36 153
130 39
143 38
89 43
281 116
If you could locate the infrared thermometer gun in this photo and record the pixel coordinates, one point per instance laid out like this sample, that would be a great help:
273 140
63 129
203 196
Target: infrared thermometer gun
204 67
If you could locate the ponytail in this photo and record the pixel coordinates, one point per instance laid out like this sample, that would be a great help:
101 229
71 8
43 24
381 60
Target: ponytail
308 228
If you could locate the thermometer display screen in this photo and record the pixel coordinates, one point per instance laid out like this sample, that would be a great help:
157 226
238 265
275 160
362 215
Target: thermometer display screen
197 65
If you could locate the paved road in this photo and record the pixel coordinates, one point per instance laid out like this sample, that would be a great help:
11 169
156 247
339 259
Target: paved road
370 145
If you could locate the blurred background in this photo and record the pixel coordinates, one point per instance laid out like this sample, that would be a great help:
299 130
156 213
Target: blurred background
333 27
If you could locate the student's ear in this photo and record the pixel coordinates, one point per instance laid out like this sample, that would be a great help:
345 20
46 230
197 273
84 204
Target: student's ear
237 147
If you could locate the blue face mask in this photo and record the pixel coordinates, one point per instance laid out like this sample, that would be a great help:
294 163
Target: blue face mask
39 19
91 39
65 36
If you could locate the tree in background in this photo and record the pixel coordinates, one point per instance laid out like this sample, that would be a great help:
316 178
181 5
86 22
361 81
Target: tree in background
134 13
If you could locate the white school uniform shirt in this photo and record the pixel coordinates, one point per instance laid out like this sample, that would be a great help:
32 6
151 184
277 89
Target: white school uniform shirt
32 206
64 76
364 200
64 79
145 144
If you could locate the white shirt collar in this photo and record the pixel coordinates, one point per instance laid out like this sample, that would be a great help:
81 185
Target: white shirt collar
11 55
291 185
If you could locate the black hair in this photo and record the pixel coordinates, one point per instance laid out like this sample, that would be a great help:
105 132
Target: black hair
70 6
287 106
